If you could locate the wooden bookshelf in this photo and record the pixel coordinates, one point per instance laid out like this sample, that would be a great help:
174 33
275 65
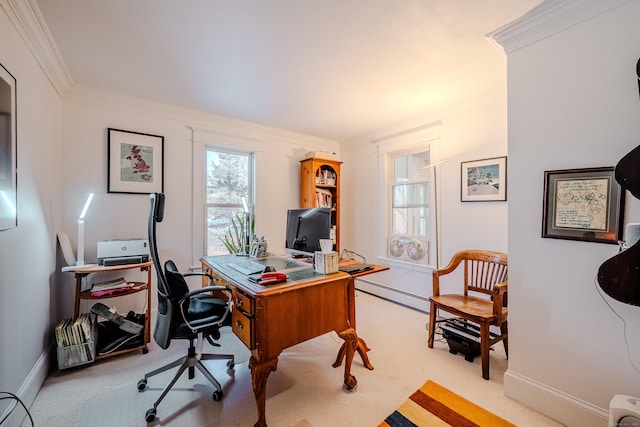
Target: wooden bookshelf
320 188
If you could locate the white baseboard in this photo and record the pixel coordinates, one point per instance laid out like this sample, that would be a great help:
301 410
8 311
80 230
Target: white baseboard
418 302
29 389
555 404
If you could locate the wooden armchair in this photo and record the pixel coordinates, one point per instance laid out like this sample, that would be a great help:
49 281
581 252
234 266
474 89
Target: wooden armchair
485 272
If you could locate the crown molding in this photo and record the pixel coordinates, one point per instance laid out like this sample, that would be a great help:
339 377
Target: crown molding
546 19
28 21
440 116
199 122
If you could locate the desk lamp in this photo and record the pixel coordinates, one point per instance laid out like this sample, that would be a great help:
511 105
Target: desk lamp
80 261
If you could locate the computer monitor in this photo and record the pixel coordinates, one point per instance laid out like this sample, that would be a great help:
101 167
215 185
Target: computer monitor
305 228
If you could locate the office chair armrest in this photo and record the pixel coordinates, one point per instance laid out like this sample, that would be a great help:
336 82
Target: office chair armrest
190 294
184 301
199 274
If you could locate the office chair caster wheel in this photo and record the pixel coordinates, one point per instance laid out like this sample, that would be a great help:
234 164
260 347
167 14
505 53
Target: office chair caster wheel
217 395
150 415
142 384
231 364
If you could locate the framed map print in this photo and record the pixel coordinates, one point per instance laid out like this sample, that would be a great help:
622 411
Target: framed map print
135 162
583 204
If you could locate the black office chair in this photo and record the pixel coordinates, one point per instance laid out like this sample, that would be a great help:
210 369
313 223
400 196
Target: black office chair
182 314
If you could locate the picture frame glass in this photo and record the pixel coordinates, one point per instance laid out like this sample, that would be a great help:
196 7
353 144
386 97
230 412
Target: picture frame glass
583 204
484 180
135 162
8 153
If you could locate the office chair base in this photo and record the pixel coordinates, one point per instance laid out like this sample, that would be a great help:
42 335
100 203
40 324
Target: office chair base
185 362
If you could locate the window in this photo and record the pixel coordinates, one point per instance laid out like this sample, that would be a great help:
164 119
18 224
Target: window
229 177
410 194
409 202
407 163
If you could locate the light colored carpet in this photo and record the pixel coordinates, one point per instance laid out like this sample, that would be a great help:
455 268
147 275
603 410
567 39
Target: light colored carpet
305 391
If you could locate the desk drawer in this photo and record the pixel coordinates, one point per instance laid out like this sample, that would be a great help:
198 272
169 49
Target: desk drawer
243 318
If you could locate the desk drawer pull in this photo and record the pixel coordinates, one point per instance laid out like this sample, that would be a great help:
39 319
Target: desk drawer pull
238 302
239 325
245 314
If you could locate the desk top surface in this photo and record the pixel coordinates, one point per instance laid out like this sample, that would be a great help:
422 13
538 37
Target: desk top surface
298 272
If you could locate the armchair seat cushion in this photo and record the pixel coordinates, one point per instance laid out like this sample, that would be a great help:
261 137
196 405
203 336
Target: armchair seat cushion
473 308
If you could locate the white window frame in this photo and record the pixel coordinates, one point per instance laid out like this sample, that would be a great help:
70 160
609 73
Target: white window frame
201 139
420 138
251 187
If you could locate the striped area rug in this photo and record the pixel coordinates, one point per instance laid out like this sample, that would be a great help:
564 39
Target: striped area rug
434 405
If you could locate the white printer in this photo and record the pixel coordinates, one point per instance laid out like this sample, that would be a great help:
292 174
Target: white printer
123 251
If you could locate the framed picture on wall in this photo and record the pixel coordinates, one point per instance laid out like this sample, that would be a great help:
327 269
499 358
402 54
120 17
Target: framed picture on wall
583 204
8 156
135 162
483 180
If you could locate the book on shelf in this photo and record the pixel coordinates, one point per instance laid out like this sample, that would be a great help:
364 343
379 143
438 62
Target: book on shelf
324 198
325 177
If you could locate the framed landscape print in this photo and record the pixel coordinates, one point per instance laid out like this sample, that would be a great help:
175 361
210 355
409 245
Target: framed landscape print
135 162
8 156
583 204
483 180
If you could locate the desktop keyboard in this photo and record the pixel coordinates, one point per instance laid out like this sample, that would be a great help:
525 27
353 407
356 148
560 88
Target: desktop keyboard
247 267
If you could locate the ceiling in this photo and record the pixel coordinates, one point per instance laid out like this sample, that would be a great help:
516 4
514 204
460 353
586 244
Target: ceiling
335 69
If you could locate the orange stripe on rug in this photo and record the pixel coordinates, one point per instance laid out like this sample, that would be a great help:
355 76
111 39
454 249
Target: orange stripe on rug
434 405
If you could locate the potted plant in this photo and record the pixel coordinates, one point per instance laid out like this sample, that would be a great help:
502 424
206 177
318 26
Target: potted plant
235 239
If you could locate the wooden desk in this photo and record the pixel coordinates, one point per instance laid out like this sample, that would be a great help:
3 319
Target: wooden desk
270 319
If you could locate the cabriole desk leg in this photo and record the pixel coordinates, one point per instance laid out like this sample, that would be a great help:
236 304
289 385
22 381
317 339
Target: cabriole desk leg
259 375
350 343
361 348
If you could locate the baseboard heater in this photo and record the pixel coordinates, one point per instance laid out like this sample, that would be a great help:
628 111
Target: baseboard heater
389 288
393 294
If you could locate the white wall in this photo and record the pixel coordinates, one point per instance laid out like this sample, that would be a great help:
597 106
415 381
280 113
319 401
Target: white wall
573 103
473 131
88 114
28 252
62 155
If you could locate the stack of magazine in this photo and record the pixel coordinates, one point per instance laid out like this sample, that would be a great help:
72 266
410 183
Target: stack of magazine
110 287
75 339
